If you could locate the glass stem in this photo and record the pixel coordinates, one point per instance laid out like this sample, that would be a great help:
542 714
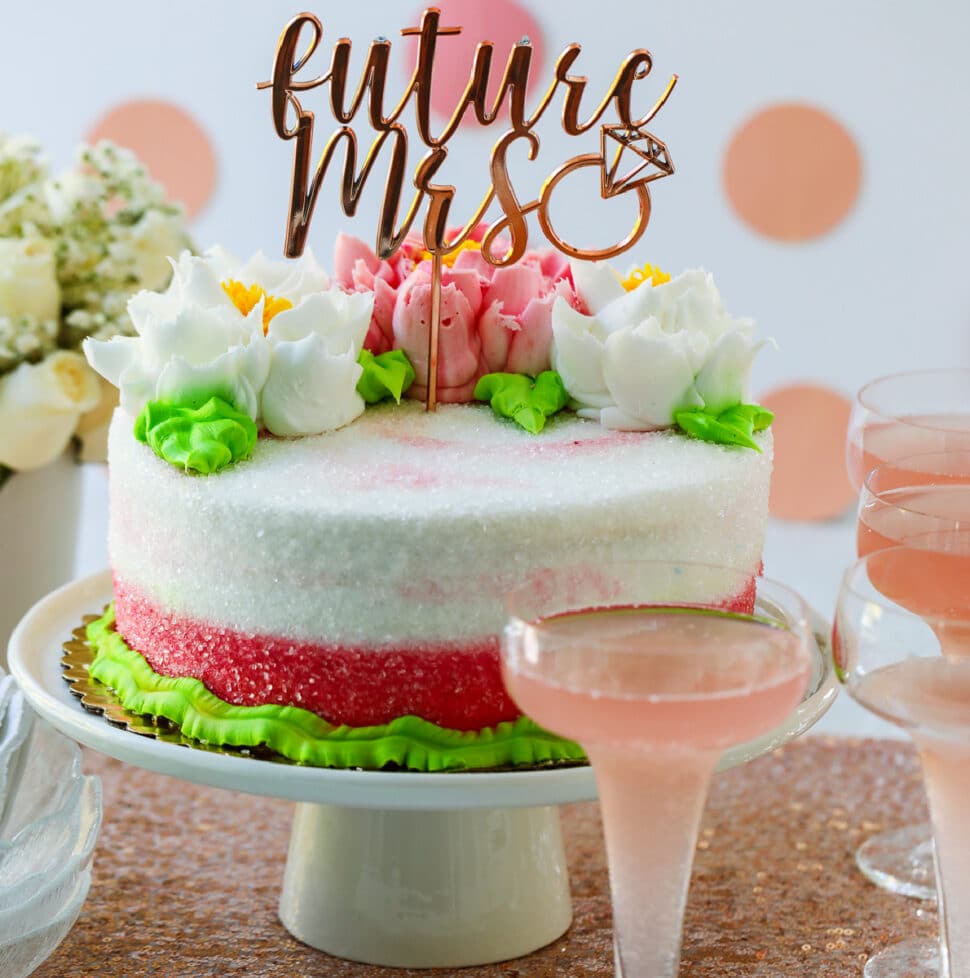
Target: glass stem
651 802
946 773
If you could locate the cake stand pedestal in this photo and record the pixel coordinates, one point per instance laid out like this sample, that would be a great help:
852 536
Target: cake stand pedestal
425 889
390 868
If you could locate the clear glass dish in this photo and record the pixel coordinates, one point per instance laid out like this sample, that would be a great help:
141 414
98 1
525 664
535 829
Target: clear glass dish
23 955
50 814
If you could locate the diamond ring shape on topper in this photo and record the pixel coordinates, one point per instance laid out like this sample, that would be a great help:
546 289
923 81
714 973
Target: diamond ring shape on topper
647 152
509 234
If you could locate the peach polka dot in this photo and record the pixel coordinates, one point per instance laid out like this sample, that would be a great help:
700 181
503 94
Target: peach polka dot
170 142
792 172
503 22
810 427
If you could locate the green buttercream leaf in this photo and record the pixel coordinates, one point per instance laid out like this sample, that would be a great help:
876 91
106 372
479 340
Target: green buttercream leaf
305 738
754 414
526 401
387 375
734 426
198 439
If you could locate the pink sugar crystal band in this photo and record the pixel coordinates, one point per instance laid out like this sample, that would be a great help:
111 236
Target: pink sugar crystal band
454 685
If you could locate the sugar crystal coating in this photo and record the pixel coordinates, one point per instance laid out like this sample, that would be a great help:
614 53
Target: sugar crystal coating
362 572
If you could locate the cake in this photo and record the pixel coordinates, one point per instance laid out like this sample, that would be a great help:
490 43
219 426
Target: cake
293 570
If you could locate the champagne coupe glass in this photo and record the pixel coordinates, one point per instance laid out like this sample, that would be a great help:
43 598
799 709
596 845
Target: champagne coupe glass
922 501
900 415
908 414
893 658
634 662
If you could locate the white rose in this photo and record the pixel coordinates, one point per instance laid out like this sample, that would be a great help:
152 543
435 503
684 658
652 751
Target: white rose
153 242
28 280
312 384
647 353
40 405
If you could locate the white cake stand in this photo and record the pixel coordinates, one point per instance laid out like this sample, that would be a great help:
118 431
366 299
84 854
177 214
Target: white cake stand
390 868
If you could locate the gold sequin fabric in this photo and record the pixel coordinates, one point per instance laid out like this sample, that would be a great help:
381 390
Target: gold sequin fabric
187 878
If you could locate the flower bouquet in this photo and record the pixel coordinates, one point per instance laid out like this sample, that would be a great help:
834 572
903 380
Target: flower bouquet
73 249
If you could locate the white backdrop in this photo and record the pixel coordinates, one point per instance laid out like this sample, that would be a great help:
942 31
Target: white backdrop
886 290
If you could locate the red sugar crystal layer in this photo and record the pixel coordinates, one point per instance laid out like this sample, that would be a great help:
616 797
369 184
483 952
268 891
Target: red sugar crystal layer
457 686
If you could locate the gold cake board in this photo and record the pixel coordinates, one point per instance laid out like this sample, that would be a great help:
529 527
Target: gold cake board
76 660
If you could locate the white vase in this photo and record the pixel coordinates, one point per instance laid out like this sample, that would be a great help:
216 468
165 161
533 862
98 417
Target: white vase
39 514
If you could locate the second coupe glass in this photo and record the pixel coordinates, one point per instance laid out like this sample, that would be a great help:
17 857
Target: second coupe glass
623 658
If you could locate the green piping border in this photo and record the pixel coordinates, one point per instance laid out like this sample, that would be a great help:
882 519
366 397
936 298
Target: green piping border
305 738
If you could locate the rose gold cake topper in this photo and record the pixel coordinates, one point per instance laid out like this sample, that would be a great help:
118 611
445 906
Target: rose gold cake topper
630 157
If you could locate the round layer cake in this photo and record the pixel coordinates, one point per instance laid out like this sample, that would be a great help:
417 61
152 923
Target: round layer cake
359 574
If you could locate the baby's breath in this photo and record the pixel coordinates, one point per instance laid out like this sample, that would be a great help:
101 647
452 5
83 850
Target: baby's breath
23 172
25 339
102 217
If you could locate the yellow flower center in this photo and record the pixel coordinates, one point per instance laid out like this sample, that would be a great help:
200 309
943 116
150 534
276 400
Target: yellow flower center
245 298
649 273
449 259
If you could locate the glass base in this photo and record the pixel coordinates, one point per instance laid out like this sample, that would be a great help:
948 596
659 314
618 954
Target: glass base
910 959
901 861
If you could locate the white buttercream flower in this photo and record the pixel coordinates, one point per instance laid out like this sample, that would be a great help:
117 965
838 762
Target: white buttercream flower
266 336
192 343
644 354
312 384
28 280
293 281
40 405
315 333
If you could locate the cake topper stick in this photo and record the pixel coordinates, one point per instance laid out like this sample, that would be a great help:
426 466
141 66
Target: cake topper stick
629 157
434 330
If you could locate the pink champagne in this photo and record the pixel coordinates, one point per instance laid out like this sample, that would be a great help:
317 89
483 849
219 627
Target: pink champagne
931 698
684 679
931 577
918 434
655 696
933 512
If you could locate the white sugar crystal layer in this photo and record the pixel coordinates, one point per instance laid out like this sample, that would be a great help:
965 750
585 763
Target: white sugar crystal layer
407 526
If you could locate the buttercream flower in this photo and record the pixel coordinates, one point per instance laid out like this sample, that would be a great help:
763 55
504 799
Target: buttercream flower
358 269
292 281
192 343
460 359
649 351
272 339
516 321
40 405
28 280
493 319
312 382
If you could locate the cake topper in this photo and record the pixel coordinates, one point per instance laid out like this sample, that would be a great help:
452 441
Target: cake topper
629 157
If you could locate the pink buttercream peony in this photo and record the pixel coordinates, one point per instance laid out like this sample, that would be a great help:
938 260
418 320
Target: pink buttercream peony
516 322
459 344
492 319
358 269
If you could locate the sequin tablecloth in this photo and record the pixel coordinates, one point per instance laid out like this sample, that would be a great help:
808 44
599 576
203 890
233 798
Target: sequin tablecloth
187 878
